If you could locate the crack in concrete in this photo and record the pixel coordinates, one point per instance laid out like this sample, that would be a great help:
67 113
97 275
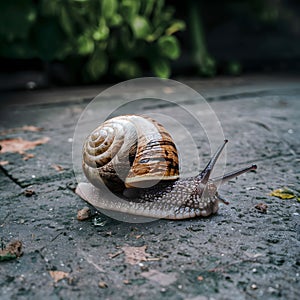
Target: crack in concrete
38 180
262 93
5 172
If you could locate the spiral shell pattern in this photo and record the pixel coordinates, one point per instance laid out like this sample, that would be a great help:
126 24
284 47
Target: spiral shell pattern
129 151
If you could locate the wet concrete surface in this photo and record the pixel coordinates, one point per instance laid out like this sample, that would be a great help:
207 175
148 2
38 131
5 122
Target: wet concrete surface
239 253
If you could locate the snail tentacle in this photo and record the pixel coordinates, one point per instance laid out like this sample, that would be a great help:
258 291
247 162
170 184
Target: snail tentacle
232 174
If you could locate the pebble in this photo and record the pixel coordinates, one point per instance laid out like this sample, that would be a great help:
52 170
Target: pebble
102 284
83 214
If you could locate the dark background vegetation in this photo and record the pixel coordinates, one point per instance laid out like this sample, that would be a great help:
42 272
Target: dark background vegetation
65 42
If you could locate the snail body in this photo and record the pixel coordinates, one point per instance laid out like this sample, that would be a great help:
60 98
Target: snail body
136 158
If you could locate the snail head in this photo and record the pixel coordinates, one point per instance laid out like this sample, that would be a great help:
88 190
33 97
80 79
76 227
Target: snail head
207 187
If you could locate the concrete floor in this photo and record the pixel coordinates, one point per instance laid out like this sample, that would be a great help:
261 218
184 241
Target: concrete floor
239 253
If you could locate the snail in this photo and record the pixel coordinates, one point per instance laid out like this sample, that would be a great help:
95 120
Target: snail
136 158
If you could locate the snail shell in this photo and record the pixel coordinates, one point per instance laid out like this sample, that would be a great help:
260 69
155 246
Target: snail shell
136 158
130 151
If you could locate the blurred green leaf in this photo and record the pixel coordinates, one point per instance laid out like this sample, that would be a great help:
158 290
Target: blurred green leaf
127 40
208 66
49 8
130 8
85 45
97 65
161 68
205 64
169 47
115 20
102 32
127 69
141 27
80 30
158 8
234 68
176 26
66 22
109 8
149 5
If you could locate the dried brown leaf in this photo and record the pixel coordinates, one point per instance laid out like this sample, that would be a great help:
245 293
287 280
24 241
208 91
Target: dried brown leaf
11 251
57 168
4 162
28 155
29 192
134 255
261 207
19 145
31 128
23 128
58 275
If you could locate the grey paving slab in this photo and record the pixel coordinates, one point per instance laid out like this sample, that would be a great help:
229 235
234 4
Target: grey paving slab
239 253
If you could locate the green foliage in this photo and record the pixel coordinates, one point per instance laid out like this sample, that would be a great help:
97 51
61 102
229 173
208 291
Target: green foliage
108 36
205 64
161 68
169 47
234 68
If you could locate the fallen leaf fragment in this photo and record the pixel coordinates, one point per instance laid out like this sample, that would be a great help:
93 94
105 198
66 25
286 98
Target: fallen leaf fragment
134 255
57 168
83 214
161 278
27 155
113 255
19 145
58 275
126 281
29 193
4 162
31 128
200 278
102 284
23 128
261 207
11 251
283 193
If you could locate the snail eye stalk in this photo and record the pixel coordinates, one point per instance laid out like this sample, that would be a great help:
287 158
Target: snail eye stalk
205 174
